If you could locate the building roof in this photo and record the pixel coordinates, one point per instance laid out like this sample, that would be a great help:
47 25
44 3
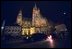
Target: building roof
12 24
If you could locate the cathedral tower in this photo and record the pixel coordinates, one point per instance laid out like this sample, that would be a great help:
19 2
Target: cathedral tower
19 18
35 16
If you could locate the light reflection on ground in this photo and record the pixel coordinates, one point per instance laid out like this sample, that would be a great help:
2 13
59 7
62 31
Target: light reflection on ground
50 41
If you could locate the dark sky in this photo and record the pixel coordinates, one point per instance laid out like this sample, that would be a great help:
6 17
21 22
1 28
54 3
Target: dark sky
52 10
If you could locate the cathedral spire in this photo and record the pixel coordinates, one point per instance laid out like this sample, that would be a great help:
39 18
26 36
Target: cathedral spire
20 13
35 6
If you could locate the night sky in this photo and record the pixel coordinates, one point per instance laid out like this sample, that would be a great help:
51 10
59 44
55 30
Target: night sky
56 11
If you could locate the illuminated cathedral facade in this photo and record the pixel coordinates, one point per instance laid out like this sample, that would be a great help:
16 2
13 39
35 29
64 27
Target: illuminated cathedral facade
27 26
38 23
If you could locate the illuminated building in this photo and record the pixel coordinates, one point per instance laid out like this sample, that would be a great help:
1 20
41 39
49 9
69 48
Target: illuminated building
37 24
29 26
61 27
13 30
